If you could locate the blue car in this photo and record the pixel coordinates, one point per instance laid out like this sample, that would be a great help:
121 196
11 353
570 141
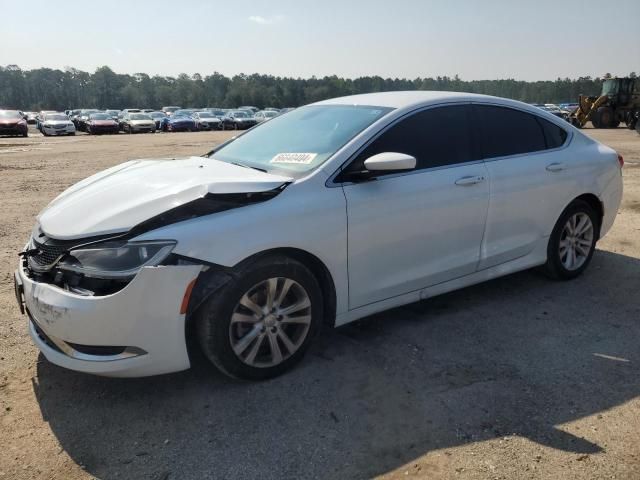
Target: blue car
178 123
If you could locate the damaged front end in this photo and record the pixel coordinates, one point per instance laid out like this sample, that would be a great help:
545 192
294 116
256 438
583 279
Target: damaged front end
103 265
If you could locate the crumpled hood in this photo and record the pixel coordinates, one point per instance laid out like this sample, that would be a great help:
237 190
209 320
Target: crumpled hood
117 199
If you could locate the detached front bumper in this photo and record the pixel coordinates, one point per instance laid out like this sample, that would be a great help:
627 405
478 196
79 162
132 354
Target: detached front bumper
135 332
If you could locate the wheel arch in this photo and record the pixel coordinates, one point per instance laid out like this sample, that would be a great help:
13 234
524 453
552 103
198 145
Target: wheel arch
317 268
216 276
594 202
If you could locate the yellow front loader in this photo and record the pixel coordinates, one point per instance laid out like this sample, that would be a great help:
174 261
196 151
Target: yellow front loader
618 102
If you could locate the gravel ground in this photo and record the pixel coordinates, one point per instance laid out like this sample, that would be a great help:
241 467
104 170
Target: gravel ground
520 377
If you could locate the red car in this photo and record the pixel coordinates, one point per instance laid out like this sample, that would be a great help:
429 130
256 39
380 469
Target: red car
101 123
12 123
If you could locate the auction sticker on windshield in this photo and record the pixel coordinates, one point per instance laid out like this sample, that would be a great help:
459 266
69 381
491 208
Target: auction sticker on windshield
295 158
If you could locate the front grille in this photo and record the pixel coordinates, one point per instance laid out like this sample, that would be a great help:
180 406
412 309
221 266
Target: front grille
46 254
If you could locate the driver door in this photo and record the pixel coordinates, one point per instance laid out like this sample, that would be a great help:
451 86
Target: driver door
413 229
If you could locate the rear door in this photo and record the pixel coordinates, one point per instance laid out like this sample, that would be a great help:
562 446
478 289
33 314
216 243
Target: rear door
531 179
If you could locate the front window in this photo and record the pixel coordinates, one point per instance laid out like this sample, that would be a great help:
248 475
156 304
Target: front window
99 116
139 116
302 140
610 87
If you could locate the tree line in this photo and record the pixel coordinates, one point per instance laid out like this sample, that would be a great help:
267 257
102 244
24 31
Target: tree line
52 89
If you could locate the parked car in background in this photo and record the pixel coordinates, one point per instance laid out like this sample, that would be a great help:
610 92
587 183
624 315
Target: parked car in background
179 122
206 120
98 123
271 109
57 124
170 109
12 123
31 117
138 122
124 113
73 115
157 118
569 107
238 120
40 117
263 115
286 110
555 110
81 119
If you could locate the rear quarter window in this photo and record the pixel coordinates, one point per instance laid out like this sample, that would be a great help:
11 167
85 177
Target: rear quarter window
554 135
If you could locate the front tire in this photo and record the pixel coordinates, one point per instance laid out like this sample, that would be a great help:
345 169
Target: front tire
572 242
260 324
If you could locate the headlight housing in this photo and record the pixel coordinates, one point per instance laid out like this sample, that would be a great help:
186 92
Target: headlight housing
116 260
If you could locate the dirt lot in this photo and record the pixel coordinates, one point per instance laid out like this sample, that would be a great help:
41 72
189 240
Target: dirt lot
520 377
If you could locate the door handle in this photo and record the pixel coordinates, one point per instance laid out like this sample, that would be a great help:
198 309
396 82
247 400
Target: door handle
466 181
555 167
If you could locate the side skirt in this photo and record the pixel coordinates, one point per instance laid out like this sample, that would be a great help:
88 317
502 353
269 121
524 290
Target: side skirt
537 257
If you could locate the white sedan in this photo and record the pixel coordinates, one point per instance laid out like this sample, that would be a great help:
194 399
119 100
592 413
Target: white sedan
329 213
57 124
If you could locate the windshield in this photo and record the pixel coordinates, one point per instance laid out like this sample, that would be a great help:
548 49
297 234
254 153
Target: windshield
58 116
157 115
205 114
610 87
9 114
270 114
240 115
99 116
302 140
139 116
171 109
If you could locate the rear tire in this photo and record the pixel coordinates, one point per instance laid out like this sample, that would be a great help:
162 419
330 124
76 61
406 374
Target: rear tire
262 341
572 242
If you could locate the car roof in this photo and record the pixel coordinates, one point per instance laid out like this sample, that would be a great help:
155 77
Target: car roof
404 99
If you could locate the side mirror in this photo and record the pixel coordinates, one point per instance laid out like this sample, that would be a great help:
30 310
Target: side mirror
390 161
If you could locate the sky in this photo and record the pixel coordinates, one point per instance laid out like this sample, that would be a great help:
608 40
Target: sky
475 39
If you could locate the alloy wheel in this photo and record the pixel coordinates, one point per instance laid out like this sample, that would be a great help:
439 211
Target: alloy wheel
270 322
576 241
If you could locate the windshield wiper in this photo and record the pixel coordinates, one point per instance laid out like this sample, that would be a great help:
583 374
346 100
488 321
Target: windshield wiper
248 166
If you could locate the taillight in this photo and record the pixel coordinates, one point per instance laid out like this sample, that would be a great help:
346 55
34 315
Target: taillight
620 160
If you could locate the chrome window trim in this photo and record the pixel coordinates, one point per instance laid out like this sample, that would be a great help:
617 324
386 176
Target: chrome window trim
332 183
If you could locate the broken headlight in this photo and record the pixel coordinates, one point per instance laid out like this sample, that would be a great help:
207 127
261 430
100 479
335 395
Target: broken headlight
115 260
